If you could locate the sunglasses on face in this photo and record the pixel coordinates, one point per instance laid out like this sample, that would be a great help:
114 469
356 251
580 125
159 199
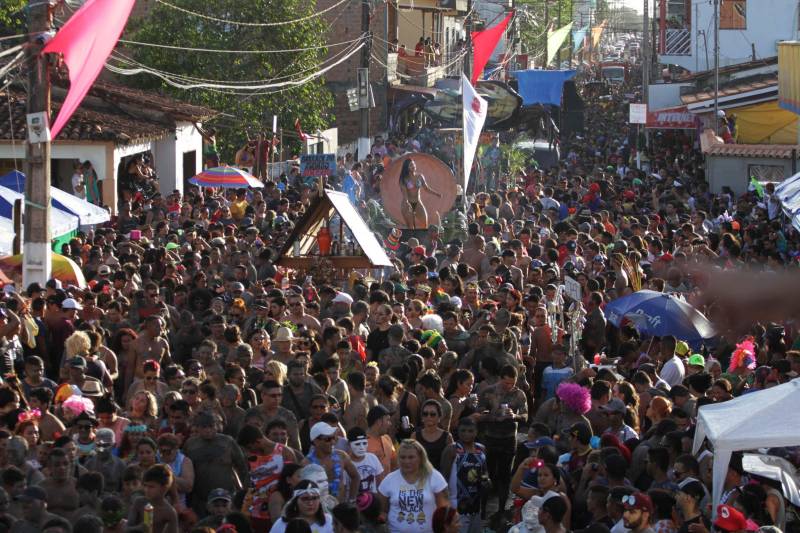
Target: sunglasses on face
327 439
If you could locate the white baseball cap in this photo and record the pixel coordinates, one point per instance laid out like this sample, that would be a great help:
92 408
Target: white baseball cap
322 429
71 303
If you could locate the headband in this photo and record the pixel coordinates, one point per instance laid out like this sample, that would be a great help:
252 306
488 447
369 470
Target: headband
302 492
140 428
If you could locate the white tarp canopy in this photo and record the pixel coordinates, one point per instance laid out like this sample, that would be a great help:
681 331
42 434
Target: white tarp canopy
765 419
87 212
61 222
788 192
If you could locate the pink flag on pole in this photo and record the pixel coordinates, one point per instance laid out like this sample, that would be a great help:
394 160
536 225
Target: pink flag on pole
483 45
86 41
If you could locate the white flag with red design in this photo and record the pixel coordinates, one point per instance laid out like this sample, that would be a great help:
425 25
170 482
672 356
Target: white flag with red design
475 109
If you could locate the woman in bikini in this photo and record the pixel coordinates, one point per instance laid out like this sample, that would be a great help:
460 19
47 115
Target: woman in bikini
411 184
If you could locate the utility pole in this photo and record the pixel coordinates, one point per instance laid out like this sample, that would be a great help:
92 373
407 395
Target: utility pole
546 32
468 42
364 100
716 67
558 54
645 50
37 255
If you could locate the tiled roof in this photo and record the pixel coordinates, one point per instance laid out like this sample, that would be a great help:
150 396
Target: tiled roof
775 151
108 113
731 69
739 87
175 108
85 124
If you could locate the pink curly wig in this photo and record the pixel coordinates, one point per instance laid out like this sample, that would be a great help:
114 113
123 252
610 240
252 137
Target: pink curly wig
575 397
77 405
744 355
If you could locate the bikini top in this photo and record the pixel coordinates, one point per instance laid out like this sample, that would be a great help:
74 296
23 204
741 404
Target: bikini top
414 184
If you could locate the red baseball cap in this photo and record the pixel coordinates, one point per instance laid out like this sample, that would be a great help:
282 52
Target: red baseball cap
419 250
638 501
730 519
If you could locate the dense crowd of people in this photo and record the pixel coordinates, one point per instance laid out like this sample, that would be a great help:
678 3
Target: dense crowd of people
194 385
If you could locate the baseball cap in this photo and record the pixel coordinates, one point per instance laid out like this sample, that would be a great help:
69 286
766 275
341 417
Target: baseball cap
77 362
681 348
638 501
104 270
692 487
582 432
71 303
342 298
356 433
614 406
33 493
697 360
321 429
419 250
730 519
538 443
219 494
236 286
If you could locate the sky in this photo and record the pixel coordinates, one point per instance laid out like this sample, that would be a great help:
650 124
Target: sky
635 4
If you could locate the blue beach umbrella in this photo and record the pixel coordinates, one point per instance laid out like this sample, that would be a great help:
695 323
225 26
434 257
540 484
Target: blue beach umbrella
658 314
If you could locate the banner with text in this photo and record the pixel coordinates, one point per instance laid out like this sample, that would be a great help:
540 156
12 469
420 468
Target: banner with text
316 165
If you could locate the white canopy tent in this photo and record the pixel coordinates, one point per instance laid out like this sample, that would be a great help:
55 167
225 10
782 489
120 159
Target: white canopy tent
764 419
788 192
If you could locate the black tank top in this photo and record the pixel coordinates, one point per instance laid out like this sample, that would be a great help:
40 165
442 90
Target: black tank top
434 449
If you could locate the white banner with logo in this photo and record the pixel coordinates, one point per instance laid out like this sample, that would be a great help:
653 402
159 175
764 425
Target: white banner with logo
475 109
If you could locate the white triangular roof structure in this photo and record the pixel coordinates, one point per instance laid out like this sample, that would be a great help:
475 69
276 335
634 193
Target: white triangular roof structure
768 418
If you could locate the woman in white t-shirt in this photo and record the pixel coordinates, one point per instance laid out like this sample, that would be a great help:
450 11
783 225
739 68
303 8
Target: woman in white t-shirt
412 493
305 504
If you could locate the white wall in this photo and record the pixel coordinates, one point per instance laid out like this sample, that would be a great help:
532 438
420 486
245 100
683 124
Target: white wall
96 153
662 95
168 156
329 139
768 21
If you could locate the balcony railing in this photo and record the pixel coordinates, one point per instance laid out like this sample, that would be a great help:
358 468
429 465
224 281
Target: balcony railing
677 42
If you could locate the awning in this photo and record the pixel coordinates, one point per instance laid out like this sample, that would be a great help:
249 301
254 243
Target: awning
87 212
671 118
60 221
765 123
789 75
302 239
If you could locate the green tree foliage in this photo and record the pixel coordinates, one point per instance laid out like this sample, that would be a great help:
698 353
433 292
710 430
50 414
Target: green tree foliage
538 17
310 102
12 17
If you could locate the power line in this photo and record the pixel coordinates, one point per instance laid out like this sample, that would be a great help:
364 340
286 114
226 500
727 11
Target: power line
207 85
186 78
251 24
222 51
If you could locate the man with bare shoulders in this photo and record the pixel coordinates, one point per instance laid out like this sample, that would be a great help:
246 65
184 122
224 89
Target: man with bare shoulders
156 483
297 314
62 495
337 464
150 345
34 513
474 255
360 402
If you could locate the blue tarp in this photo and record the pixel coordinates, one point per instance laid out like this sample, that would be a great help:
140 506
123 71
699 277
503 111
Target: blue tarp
542 86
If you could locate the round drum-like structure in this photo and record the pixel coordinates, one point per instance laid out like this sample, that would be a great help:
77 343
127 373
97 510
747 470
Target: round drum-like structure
438 176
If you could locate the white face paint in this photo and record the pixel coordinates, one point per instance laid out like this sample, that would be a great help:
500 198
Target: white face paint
359 447
318 475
